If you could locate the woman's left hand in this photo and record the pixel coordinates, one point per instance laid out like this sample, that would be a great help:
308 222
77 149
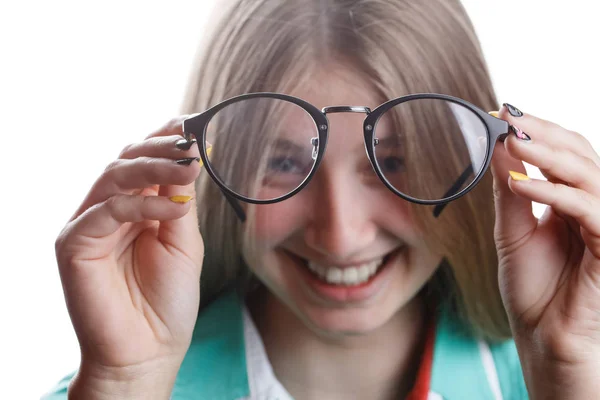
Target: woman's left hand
549 269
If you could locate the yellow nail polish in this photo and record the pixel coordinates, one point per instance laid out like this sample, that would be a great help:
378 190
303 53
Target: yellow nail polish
494 114
208 154
180 199
517 176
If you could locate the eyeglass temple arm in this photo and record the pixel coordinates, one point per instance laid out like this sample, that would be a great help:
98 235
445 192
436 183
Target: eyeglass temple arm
453 189
503 128
235 204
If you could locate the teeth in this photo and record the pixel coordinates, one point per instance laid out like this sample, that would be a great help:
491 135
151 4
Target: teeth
372 268
334 275
363 273
348 276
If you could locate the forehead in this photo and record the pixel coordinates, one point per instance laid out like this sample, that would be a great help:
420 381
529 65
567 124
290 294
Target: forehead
338 84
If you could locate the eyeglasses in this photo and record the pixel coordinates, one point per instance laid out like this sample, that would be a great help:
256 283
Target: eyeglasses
426 148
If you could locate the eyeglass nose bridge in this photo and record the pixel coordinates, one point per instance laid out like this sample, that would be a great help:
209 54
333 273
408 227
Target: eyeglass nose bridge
342 109
334 110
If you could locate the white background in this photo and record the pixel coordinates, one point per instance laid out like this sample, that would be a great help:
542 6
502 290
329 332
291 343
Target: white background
79 81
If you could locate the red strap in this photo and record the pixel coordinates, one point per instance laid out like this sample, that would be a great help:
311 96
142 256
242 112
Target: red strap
420 390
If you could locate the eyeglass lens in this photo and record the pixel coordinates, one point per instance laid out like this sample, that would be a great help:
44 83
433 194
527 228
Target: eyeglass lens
263 148
428 149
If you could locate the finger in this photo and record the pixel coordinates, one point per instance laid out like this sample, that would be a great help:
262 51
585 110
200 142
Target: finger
551 178
506 234
175 127
558 164
573 202
514 214
549 133
170 231
545 174
171 128
174 147
125 176
106 218
573 225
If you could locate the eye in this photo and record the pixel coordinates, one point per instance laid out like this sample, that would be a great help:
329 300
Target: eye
392 164
284 164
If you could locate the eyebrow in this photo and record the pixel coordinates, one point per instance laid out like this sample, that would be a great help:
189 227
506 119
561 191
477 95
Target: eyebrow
287 145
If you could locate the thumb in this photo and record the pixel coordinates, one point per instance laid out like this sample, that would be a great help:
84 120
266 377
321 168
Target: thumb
514 214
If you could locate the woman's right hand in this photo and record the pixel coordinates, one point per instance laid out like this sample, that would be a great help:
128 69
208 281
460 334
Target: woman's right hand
130 260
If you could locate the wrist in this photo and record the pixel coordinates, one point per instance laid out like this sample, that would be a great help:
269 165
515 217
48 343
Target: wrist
549 382
148 382
548 377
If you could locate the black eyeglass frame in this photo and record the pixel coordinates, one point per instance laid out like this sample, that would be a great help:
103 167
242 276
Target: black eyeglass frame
196 125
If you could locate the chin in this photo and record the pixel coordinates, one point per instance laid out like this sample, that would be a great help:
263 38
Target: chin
349 321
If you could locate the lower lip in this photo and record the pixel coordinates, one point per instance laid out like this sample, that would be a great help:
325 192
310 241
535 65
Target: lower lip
357 293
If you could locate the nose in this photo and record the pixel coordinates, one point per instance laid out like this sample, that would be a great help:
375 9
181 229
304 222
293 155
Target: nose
341 226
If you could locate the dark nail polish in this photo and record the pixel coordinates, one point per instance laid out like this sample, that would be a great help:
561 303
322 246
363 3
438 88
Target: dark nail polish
187 161
514 111
520 134
183 144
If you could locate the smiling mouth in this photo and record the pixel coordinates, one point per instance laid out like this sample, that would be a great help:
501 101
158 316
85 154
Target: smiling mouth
349 275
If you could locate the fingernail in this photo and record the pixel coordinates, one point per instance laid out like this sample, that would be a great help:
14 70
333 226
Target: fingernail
494 114
183 144
187 161
517 176
514 111
520 134
180 199
207 153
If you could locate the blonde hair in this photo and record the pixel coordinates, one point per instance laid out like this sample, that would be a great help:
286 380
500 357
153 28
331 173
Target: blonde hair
401 47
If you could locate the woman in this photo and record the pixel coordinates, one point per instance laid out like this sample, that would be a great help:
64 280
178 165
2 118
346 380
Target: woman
348 290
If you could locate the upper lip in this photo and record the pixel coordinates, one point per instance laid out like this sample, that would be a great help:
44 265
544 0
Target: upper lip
347 264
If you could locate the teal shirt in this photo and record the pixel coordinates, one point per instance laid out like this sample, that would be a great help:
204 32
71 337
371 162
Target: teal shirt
464 368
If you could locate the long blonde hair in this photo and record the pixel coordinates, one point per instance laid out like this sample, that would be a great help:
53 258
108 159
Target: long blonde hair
402 47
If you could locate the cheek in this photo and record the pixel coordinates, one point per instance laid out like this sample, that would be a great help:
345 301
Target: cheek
394 215
274 223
